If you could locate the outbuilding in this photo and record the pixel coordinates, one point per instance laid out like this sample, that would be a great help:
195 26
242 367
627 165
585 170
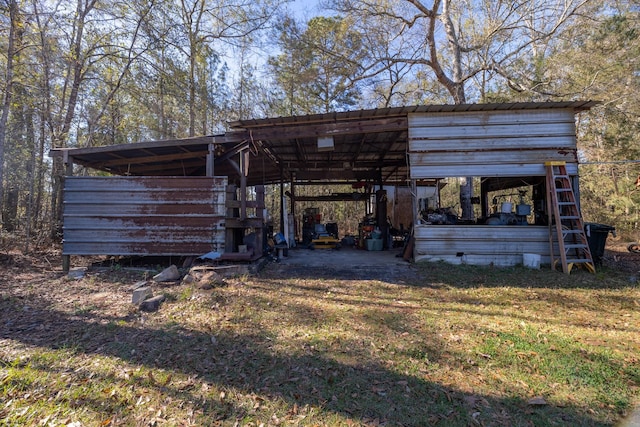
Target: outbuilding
198 195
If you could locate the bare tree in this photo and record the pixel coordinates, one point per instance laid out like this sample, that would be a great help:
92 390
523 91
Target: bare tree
453 42
87 42
204 23
12 7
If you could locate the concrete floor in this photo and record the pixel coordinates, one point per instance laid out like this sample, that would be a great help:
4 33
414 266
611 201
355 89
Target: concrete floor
346 256
346 263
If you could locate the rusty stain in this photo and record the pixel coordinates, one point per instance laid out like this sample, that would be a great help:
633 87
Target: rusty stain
143 215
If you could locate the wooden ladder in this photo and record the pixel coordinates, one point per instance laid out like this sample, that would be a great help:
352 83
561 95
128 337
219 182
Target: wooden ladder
566 228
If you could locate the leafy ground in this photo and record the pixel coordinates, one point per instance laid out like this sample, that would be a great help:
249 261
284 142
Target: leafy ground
436 345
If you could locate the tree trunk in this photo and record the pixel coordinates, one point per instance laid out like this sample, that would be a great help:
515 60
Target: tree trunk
60 140
40 171
10 211
455 86
192 89
6 104
31 175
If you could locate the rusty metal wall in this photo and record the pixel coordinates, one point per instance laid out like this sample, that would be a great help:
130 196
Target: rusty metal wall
491 143
501 246
144 215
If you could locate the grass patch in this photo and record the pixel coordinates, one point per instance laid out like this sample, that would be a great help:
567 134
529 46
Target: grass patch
453 346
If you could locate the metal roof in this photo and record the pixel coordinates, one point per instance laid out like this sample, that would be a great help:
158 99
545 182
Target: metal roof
369 145
403 111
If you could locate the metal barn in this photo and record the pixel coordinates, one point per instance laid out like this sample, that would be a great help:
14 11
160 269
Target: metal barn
191 196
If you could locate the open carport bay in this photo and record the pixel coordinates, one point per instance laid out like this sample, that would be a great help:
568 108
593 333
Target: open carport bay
346 263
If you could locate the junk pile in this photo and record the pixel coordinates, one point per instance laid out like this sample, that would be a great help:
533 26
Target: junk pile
204 277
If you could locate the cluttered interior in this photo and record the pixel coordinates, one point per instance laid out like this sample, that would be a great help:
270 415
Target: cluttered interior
382 219
501 201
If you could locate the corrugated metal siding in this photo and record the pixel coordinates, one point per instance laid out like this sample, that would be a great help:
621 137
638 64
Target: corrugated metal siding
144 215
491 143
501 246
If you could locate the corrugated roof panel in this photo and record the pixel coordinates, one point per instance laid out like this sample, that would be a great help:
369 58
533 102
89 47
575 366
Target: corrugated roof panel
393 111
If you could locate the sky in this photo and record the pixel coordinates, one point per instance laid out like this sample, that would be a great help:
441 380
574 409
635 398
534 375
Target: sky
304 8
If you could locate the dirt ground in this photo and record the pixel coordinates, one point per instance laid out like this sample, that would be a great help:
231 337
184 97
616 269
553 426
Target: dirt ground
617 257
51 302
387 265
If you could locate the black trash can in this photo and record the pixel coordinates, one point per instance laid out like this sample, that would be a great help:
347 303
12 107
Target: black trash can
597 237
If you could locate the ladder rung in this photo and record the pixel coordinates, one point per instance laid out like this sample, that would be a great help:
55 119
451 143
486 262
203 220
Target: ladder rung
569 217
576 246
576 231
580 242
563 190
579 261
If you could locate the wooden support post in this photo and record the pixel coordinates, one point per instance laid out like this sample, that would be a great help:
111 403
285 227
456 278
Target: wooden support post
282 210
484 198
68 171
381 216
259 249
414 202
229 237
66 263
244 171
210 160
293 207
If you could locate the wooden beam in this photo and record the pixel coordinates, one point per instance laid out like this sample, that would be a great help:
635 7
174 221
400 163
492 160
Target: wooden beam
154 158
305 175
210 160
335 197
243 223
168 169
230 153
140 145
396 124
337 166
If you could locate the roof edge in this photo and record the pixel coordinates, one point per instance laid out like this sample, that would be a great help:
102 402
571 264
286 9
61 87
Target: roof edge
376 113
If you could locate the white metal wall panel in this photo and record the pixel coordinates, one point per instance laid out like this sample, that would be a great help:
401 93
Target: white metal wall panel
480 245
144 215
484 169
490 143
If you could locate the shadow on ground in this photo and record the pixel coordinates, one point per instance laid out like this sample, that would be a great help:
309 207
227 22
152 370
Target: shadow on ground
369 393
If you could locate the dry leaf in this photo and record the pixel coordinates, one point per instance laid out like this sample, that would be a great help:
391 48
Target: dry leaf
537 401
166 382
